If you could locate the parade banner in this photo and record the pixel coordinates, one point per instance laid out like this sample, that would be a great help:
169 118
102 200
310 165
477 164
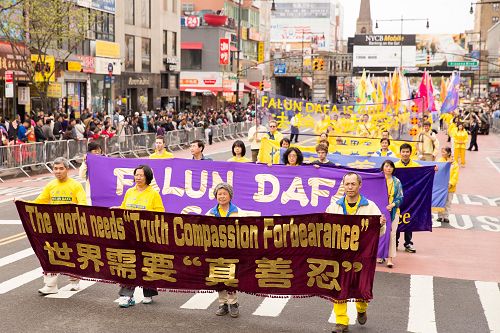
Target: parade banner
439 185
326 255
270 149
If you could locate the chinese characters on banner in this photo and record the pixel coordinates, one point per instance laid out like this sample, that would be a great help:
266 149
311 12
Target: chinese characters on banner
224 51
325 255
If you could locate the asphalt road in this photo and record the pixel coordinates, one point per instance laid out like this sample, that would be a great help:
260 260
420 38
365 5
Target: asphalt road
450 285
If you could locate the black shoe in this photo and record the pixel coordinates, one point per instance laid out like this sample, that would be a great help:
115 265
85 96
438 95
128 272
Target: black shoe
440 219
475 150
446 221
362 318
234 310
409 248
223 310
339 328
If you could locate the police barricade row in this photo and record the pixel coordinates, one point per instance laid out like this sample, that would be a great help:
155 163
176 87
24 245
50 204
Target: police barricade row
10 159
217 133
55 149
77 150
173 140
143 143
125 145
496 125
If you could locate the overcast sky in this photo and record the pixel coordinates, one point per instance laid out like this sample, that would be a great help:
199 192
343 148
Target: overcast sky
445 16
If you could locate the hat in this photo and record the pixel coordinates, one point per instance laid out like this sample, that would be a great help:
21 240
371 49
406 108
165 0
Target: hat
225 186
121 118
136 114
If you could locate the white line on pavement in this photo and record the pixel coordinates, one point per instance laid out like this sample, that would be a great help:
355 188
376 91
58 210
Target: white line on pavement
492 163
271 307
422 318
16 256
65 291
20 280
351 312
200 301
7 222
490 299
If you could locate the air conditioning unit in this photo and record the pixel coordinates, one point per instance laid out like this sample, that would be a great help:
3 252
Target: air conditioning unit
188 7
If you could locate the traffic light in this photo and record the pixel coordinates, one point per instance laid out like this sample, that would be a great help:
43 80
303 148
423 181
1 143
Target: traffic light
321 64
261 86
428 59
315 64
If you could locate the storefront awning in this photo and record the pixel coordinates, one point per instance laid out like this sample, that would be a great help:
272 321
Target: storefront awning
203 89
249 88
307 80
191 45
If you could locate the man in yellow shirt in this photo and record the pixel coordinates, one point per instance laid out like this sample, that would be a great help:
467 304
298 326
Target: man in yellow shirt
406 162
428 144
160 151
365 129
62 190
273 133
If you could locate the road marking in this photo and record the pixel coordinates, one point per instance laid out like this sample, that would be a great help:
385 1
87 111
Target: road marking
200 301
65 291
138 296
490 299
16 256
12 238
271 306
421 313
493 163
10 222
351 312
20 280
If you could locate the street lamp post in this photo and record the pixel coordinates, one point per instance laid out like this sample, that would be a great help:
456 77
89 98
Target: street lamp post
401 34
479 60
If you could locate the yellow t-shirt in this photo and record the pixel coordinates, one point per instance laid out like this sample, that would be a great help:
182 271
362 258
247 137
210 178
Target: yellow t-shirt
410 164
57 193
222 212
241 159
352 210
390 189
148 199
165 154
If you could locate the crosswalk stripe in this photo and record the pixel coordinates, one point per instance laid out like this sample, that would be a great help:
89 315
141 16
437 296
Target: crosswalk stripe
10 222
65 291
271 307
138 296
351 312
20 280
422 317
12 240
200 301
489 295
16 256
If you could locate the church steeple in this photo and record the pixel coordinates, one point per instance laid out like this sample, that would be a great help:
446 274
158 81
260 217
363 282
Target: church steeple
364 23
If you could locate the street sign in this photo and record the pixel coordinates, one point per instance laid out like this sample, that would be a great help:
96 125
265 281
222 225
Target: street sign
280 68
463 63
224 51
9 84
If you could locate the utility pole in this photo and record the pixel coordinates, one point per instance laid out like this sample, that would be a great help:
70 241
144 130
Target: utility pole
238 59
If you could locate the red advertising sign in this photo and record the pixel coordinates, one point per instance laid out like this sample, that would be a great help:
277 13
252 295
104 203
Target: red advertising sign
224 51
9 77
209 81
192 22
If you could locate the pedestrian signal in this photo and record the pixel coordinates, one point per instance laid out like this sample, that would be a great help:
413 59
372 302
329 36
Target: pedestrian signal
261 86
321 64
315 64
428 60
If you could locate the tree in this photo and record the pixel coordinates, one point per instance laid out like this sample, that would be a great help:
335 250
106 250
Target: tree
43 34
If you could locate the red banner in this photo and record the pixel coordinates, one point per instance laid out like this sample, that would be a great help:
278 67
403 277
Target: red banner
224 51
325 255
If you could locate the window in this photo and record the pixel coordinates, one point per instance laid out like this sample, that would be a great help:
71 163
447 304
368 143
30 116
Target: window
146 54
191 59
169 43
496 7
174 6
104 26
129 11
494 19
146 13
129 53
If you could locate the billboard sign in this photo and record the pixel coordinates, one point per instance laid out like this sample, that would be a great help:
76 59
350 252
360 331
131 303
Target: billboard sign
9 84
441 48
224 51
384 50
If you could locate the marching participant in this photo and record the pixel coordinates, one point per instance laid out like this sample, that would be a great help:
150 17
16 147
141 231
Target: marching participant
160 151
452 186
223 192
238 149
353 203
62 190
95 149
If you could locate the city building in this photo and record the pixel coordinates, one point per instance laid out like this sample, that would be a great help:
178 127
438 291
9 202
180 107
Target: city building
364 24
493 49
148 32
209 51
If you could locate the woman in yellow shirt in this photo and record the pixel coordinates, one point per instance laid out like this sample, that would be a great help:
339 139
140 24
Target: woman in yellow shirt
239 152
459 141
452 186
140 197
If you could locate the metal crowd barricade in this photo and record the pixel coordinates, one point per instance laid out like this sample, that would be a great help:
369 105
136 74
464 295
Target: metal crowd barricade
125 145
199 133
77 150
217 133
143 143
173 140
10 159
55 149
495 126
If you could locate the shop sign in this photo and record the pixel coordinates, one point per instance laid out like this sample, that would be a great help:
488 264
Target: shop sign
9 84
23 95
209 82
192 21
74 66
102 66
253 34
200 80
138 81
107 49
104 5
244 33
260 52
54 90
44 66
87 63
224 51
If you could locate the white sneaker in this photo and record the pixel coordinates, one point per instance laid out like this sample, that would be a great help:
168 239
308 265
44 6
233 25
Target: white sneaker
75 286
46 290
125 302
147 300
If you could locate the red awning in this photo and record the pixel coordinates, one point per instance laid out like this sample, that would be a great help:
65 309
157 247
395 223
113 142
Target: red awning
191 45
202 89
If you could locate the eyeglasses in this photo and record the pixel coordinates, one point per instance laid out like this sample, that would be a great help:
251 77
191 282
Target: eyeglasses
272 126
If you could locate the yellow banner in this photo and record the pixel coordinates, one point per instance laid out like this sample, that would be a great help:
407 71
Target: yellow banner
270 149
54 90
107 49
44 66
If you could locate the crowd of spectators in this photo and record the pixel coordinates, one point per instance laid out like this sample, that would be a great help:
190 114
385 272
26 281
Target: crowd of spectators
57 125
